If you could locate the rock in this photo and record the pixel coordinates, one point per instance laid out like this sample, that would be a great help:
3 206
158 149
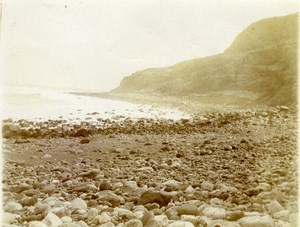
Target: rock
12 206
81 133
82 224
28 201
144 169
187 209
48 189
222 223
274 207
214 212
161 219
108 224
105 186
180 224
134 223
148 215
66 219
84 140
282 215
9 218
47 156
37 224
234 215
111 197
208 186
154 197
30 218
255 221
90 174
151 223
124 213
79 204
92 213
59 211
52 219
69 225
191 218
189 190
103 218
21 187
40 208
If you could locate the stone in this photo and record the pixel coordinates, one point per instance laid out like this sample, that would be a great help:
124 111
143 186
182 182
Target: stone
144 169
282 215
48 189
52 219
103 218
274 207
12 206
37 224
191 218
59 211
214 212
79 204
208 186
234 215
33 217
152 223
134 223
40 208
28 201
254 221
189 190
82 224
108 224
92 213
148 215
105 186
81 133
9 218
66 219
161 219
84 140
154 197
187 209
69 225
180 224
110 197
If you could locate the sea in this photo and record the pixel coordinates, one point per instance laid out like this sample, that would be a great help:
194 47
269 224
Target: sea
42 104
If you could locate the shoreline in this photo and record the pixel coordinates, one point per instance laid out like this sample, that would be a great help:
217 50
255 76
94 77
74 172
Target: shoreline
223 166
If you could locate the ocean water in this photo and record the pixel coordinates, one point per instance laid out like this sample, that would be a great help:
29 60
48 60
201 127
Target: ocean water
40 104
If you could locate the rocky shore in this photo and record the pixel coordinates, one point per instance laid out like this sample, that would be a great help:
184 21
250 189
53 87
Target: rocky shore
217 169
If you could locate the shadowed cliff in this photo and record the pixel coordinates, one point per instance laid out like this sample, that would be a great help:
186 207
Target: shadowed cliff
260 67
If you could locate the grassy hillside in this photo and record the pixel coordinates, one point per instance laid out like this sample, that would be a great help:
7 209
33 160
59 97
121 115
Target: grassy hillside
260 67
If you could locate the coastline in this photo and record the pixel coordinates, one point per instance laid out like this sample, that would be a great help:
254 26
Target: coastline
237 162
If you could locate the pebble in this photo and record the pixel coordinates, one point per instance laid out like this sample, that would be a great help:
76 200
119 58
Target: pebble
161 219
255 221
134 223
92 213
282 215
234 215
79 204
52 219
28 201
274 207
206 185
12 206
180 224
148 215
103 218
108 224
37 224
66 219
188 209
214 212
154 197
9 218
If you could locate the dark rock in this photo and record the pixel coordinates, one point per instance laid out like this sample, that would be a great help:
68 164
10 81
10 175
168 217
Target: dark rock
234 215
28 201
155 197
187 209
81 133
84 140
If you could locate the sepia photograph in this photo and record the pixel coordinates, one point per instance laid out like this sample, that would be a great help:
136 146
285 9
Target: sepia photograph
149 113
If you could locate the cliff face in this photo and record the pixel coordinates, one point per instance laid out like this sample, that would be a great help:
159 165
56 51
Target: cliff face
260 67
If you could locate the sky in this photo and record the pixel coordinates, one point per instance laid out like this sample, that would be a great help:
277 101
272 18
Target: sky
90 45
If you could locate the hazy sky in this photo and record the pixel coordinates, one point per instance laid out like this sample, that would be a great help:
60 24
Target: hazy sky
93 44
